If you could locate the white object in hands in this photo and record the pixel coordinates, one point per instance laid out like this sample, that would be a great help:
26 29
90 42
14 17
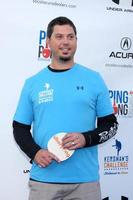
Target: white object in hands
55 147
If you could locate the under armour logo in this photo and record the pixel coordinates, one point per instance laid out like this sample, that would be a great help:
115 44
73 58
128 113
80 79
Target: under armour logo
80 87
122 198
119 2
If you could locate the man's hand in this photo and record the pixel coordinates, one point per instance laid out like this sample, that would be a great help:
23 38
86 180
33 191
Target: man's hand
43 158
73 141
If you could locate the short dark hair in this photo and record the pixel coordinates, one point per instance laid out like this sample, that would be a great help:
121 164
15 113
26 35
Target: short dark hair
59 21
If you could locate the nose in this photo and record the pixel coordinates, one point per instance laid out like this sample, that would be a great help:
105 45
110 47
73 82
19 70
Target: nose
65 40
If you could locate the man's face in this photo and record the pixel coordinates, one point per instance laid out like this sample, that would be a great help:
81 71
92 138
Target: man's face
63 43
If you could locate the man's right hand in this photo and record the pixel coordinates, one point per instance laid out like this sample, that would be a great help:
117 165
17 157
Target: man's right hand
43 158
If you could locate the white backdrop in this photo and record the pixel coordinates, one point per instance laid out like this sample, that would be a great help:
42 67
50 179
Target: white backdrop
104 44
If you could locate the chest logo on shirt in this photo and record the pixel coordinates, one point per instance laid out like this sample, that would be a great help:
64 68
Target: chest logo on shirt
81 87
45 95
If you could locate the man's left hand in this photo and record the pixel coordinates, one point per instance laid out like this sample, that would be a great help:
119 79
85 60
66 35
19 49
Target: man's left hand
73 141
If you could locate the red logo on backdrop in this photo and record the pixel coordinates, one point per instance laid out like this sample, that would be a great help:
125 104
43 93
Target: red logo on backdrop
43 50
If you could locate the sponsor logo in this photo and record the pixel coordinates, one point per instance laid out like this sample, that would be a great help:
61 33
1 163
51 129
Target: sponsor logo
43 50
106 135
125 44
122 198
120 2
117 163
124 53
55 3
45 95
116 1
117 146
122 6
122 101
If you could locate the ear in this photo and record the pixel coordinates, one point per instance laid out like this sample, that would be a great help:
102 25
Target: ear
47 42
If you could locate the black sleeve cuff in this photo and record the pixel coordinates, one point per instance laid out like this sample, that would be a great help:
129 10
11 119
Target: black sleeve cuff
24 139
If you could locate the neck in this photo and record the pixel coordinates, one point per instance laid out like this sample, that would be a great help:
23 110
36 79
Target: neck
61 65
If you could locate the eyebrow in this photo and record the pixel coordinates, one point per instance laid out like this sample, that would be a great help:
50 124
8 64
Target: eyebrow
64 34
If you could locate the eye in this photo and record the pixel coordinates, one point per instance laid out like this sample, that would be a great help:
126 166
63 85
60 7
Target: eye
58 37
71 37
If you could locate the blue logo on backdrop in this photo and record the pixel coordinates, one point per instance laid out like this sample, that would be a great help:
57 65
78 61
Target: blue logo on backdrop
116 164
118 146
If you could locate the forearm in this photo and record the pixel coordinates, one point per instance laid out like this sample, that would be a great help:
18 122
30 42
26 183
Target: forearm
106 128
24 139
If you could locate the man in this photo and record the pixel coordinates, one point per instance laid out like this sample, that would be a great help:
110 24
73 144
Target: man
68 97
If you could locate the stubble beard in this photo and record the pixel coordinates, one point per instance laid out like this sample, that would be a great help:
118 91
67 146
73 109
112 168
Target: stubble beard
65 59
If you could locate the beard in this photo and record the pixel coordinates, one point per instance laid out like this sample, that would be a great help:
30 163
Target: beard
65 59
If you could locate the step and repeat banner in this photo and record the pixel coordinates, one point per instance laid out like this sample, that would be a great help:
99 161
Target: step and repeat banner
105 37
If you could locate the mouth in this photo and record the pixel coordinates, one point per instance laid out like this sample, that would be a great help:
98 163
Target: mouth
65 51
